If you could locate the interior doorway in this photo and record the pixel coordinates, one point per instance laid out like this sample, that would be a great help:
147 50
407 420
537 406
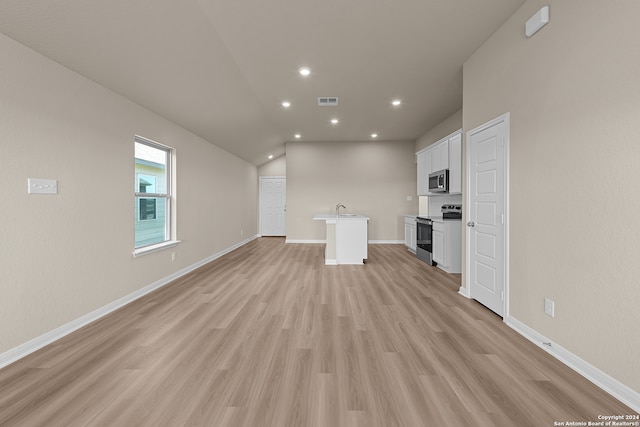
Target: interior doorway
273 205
487 219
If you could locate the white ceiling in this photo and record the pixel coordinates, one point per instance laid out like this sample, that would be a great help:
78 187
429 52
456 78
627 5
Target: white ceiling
222 68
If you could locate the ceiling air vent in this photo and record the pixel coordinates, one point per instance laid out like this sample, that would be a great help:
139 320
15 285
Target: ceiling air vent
328 101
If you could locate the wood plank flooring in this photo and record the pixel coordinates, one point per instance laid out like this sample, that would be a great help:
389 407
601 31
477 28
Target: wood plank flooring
269 336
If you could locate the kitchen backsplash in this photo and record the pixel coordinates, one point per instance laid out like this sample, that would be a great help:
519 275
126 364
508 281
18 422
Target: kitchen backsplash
436 202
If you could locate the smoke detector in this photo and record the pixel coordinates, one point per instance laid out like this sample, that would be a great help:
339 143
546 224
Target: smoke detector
327 101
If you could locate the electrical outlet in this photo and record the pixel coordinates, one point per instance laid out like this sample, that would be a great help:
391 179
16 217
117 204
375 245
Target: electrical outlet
549 307
42 186
241 231
173 256
409 198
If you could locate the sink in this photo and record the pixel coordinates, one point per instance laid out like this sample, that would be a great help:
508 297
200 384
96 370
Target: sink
348 215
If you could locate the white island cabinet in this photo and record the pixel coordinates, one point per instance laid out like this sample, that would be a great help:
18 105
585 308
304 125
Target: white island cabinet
347 238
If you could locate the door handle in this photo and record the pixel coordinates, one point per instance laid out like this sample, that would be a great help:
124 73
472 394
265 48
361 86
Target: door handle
471 224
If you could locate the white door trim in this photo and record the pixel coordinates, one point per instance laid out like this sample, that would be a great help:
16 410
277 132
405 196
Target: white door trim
260 179
505 118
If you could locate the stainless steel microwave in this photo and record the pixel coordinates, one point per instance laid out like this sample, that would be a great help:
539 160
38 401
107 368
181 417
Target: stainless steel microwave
439 181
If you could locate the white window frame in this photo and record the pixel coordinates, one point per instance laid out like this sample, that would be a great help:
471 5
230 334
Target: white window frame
168 196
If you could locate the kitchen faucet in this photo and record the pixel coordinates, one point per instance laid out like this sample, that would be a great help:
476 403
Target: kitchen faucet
338 206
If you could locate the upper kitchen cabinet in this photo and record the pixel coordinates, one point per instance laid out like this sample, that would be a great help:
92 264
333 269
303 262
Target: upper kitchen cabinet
424 169
440 156
443 154
455 163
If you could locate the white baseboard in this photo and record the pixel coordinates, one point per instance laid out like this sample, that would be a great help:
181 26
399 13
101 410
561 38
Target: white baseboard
464 292
371 242
609 384
37 343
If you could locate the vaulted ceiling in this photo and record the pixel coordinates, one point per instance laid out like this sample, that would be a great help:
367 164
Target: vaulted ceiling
222 69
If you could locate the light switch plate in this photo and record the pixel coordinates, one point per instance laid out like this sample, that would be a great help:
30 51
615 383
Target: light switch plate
42 186
549 307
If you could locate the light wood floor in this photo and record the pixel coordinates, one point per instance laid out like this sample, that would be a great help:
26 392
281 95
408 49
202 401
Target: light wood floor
268 335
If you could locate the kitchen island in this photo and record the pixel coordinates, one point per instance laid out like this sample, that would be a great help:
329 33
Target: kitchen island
347 238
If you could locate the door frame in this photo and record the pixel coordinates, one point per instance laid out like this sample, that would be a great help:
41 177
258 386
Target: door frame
260 178
505 118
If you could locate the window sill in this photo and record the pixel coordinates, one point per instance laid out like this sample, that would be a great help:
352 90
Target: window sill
154 248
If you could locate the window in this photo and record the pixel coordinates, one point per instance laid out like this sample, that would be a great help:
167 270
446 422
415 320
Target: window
147 209
146 184
152 194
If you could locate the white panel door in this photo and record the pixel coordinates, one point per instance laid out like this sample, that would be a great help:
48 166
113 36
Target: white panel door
486 210
273 206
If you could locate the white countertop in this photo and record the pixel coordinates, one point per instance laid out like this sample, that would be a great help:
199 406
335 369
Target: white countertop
333 217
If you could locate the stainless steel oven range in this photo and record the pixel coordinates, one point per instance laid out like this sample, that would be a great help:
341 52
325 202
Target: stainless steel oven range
424 247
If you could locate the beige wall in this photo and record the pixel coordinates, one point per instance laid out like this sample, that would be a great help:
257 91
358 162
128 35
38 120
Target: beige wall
64 256
574 96
444 128
370 178
275 167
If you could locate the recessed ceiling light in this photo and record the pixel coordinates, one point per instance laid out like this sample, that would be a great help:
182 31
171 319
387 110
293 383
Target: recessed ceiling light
297 136
270 156
396 102
334 121
305 71
286 104
374 135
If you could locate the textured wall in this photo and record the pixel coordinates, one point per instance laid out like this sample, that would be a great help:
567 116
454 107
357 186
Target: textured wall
275 167
370 178
574 98
64 256
446 127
